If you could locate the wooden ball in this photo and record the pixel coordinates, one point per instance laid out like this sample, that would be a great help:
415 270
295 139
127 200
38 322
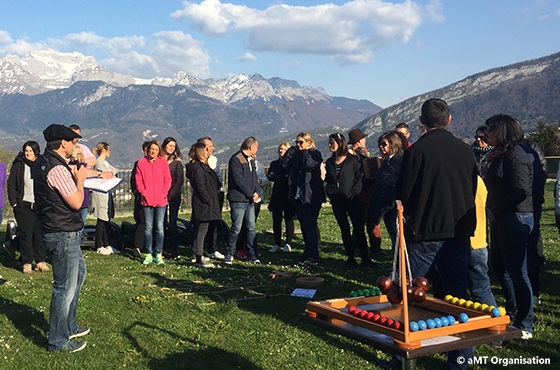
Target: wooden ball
419 294
394 296
421 282
384 283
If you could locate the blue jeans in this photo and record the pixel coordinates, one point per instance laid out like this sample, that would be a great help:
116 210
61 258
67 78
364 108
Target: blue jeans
449 260
242 211
69 273
154 221
508 255
479 281
173 206
307 216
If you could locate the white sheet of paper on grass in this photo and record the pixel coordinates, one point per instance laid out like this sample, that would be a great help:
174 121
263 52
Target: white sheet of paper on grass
304 293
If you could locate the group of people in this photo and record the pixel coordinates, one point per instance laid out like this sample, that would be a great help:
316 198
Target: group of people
449 191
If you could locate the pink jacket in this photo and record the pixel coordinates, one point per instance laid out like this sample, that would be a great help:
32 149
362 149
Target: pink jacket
153 181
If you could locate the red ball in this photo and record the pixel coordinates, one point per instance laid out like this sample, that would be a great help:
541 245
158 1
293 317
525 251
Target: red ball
398 325
419 294
394 296
376 317
352 309
363 314
389 323
370 316
384 283
356 312
421 282
382 320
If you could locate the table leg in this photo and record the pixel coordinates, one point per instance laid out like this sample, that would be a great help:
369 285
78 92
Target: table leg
409 364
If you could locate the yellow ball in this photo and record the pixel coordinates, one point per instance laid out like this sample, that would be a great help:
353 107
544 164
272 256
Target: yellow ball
476 306
483 307
455 300
448 298
502 311
489 309
462 302
469 304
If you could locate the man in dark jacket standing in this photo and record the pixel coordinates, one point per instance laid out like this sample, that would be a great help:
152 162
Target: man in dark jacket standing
437 185
243 192
59 193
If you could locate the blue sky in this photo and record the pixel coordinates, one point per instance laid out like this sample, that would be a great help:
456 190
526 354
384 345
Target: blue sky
383 51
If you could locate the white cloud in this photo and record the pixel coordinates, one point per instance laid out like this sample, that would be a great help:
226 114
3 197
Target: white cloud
348 33
19 47
161 54
247 57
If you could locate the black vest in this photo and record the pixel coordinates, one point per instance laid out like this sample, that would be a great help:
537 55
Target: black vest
52 211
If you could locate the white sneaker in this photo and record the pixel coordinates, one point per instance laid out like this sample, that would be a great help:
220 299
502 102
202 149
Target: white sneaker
217 255
287 248
103 251
109 249
526 335
204 259
275 248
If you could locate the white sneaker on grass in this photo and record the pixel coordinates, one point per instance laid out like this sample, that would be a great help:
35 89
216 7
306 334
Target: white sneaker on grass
287 248
217 255
275 248
204 259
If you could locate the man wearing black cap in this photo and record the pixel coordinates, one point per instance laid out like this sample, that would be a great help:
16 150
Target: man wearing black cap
59 193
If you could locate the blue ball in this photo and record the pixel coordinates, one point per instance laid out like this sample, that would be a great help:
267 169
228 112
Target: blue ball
422 325
430 323
439 322
444 321
463 317
495 312
413 326
451 320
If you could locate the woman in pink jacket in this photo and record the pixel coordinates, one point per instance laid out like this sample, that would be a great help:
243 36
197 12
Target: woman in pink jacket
153 181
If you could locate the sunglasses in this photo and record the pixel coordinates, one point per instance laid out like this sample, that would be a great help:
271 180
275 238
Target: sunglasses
383 144
300 142
481 137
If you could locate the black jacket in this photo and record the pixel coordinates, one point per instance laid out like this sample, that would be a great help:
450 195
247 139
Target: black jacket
242 179
383 199
279 175
177 179
205 192
509 180
348 183
437 185
305 174
16 180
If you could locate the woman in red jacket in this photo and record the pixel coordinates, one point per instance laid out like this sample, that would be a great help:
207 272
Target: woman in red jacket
153 181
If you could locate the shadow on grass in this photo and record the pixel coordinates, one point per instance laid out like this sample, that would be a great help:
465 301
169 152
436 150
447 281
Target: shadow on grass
27 320
204 357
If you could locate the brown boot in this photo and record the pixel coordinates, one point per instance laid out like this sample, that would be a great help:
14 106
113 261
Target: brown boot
43 267
27 268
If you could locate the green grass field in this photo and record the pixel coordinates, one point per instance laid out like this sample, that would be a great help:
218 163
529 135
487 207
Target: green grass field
177 316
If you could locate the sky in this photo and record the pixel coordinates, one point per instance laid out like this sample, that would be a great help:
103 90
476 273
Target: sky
380 50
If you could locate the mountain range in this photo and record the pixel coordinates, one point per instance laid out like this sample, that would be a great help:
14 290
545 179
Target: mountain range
528 91
47 86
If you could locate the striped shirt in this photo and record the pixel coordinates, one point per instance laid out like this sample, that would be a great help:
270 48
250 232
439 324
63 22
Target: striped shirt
62 180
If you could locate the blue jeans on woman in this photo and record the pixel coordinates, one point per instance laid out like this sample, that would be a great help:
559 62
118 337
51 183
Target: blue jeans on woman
69 273
508 256
154 223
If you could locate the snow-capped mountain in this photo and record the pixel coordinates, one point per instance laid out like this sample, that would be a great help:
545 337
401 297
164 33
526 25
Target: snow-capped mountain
46 70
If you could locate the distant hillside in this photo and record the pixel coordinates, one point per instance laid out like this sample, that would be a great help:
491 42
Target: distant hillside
528 91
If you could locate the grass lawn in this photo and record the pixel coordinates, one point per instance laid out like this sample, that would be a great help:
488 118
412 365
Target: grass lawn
177 316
